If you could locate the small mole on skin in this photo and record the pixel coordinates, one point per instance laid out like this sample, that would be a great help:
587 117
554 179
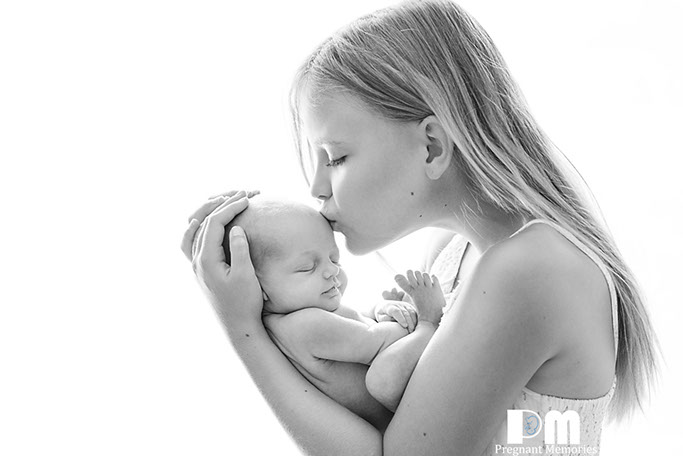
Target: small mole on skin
424 434
420 215
305 391
411 193
247 335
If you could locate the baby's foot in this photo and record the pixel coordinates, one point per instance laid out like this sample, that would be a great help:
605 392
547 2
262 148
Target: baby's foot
426 293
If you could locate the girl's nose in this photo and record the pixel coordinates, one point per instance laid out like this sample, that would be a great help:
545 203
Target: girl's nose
320 185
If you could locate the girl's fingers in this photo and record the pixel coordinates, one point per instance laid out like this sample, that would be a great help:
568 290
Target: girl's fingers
250 193
239 252
211 205
211 244
196 246
206 208
186 244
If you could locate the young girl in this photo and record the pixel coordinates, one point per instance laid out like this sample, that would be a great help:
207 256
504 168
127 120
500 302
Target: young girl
405 119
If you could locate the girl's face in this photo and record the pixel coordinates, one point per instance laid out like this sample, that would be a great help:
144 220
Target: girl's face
368 171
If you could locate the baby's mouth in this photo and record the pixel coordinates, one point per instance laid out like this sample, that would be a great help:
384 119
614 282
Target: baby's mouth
333 289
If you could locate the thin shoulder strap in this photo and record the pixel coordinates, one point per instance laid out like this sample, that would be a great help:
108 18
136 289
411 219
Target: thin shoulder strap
610 283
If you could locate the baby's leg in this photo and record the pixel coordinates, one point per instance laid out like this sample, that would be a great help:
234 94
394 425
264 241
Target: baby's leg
343 382
391 370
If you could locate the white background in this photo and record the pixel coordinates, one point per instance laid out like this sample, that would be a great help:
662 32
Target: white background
118 118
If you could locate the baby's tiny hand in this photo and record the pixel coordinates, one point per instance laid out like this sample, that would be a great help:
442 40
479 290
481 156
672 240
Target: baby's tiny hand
401 312
393 295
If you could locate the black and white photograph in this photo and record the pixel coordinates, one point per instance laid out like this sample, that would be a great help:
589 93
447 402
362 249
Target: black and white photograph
378 227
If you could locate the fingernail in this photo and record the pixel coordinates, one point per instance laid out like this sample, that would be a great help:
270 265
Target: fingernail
236 231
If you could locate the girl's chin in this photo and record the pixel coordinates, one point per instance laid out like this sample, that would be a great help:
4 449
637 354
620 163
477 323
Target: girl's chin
360 246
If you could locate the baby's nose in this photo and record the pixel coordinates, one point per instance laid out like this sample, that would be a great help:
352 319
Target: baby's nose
331 271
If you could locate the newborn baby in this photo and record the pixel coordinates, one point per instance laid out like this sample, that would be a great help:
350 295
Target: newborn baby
296 260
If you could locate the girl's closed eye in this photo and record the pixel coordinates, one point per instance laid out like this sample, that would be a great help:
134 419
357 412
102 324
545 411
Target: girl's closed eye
336 161
306 268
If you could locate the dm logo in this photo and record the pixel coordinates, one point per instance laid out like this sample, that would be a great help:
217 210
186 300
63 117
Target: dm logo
565 426
531 425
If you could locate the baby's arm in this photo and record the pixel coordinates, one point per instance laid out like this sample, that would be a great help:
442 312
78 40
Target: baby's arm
330 336
391 370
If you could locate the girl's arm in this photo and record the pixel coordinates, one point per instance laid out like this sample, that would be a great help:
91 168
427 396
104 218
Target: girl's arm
318 424
474 367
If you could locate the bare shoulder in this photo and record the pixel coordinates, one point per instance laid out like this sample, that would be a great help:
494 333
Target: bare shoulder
522 277
551 263
543 268
565 288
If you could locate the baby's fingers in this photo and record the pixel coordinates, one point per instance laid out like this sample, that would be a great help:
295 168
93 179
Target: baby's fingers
412 319
398 315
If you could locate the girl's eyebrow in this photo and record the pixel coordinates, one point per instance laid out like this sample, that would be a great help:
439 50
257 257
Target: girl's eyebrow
329 142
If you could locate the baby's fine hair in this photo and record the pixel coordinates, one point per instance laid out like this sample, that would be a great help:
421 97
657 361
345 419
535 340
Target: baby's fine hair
258 220
430 57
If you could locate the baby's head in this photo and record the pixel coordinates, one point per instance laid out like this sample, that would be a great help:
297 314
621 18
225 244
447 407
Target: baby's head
294 254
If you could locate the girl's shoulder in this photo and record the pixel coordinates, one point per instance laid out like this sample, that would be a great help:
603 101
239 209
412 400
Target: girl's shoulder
558 279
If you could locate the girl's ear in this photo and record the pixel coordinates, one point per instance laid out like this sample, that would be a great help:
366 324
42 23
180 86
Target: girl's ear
438 147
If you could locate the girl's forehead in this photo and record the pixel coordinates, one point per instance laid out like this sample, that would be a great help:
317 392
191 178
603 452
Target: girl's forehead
333 111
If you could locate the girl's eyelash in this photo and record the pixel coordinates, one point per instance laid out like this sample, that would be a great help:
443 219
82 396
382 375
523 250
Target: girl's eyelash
336 162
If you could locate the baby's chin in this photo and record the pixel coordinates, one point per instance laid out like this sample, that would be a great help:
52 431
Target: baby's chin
332 304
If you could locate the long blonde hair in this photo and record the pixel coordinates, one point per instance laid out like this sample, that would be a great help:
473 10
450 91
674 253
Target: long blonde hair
422 58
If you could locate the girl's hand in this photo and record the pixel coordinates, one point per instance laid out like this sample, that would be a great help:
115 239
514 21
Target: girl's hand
190 237
233 290
394 309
